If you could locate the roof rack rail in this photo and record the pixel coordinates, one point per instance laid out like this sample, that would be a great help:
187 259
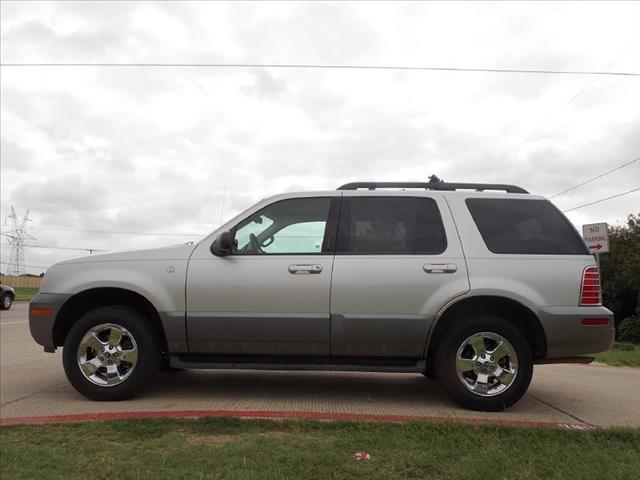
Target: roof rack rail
434 186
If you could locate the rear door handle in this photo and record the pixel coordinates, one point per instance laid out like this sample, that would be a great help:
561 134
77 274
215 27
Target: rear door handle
440 267
297 269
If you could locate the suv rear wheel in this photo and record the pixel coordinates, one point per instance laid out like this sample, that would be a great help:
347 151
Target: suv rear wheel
111 353
485 363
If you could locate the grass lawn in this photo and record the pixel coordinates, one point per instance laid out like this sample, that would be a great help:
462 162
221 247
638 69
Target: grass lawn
242 449
25 293
621 358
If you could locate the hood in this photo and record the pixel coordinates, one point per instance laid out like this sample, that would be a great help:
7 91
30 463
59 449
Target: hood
173 252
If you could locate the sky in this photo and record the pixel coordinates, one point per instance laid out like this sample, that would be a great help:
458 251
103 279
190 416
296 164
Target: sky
118 158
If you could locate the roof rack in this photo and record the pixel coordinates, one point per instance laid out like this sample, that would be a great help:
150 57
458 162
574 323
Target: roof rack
480 187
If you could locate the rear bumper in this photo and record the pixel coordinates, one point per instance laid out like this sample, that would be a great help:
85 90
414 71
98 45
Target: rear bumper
43 309
568 336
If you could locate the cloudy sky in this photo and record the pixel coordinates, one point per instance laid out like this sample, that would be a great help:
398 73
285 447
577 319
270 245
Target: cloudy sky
149 153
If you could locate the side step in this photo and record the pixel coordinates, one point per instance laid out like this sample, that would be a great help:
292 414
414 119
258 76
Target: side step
332 364
583 360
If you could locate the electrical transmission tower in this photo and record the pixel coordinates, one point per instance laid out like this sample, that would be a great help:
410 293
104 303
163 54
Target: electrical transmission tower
17 237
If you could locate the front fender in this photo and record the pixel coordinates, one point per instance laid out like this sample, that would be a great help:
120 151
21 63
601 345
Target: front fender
160 282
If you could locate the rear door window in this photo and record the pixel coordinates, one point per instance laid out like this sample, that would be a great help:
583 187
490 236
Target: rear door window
390 225
524 227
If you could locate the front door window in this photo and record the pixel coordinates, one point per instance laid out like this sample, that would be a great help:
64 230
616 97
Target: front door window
295 226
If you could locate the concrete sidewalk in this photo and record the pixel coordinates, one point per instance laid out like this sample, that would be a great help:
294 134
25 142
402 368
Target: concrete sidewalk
33 384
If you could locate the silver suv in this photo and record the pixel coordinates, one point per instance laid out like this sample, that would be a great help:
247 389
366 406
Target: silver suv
467 283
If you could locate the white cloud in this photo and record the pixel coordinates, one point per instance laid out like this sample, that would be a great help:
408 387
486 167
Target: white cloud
152 149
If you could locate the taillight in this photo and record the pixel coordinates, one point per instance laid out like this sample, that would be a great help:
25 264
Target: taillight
590 292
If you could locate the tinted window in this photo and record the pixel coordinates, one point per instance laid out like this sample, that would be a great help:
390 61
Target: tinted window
295 226
430 236
390 225
524 227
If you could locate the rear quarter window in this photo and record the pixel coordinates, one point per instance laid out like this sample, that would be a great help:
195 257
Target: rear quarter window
524 227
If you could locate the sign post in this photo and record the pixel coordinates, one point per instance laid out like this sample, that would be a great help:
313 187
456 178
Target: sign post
596 235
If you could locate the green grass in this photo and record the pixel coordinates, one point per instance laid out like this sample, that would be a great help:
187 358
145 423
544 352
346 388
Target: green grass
621 358
243 449
25 293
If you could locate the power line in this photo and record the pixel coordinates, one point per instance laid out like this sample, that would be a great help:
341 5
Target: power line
602 200
591 82
594 178
90 250
29 266
65 229
585 142
329 67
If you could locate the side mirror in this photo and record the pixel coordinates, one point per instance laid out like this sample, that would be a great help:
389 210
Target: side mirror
223 245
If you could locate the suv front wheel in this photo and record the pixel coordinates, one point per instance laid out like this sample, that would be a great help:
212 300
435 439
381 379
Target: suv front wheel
110 353
485 363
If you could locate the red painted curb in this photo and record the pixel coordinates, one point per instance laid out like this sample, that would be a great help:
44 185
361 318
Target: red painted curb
93 417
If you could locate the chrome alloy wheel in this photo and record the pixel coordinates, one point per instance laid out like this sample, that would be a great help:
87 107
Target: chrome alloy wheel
486 363
107 355
6 301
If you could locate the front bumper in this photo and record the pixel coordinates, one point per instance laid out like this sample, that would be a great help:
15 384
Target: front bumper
43 310
568 336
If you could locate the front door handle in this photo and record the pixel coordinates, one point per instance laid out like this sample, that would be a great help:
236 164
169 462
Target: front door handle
297 269
440 267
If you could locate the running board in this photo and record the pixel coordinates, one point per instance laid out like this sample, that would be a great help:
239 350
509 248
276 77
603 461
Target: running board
340 364
583 360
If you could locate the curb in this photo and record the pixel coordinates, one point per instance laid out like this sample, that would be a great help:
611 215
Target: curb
246 414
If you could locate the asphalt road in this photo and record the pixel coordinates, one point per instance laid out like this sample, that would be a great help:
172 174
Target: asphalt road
33 384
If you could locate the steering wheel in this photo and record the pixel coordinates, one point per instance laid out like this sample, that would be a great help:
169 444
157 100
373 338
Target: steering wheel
255 243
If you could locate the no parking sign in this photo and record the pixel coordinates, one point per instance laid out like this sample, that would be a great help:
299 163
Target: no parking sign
596 235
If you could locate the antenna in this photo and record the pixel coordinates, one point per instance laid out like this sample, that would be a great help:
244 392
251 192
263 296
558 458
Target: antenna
224 194
17 237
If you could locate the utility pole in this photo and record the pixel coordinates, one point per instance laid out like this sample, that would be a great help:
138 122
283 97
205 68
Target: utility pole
17 237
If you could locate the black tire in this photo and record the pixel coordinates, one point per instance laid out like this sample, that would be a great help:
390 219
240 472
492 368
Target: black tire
447 374
149 351
7 301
